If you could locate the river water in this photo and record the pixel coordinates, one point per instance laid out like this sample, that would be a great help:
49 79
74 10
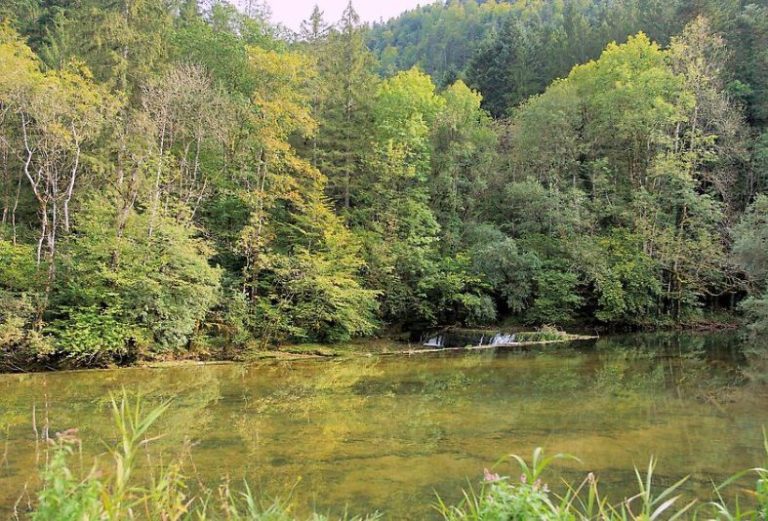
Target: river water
388 433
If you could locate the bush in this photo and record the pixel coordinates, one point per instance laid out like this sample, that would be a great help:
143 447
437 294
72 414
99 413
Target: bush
556 299
756 309
159 287
545 334
90 336
21 297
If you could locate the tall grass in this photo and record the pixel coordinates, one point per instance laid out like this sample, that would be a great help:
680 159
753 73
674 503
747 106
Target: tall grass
544 334
529 498
114 491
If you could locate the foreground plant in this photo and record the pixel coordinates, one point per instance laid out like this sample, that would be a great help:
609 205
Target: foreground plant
529 498
737 512
116 493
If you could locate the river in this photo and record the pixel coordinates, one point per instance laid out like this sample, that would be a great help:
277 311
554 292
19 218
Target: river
388 433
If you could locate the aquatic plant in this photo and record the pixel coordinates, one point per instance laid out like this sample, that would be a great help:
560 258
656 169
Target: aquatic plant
544 334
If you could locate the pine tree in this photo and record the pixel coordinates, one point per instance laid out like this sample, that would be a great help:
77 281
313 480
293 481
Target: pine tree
347 72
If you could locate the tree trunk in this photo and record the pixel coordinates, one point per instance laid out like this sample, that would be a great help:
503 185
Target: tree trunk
156 195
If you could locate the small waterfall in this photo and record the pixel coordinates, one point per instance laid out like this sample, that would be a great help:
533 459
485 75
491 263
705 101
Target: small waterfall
437 341
503 339
456 338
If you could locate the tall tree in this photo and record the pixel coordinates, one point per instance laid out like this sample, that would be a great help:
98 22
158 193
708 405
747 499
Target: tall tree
347 72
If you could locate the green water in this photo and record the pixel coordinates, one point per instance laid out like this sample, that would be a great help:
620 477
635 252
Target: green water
387 433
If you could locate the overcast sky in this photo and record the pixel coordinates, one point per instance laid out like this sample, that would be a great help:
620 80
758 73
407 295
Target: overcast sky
292 12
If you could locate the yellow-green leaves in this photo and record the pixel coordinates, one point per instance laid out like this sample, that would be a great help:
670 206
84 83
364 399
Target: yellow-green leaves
282 95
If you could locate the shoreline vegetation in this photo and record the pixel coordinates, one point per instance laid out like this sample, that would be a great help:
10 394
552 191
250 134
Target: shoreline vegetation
364 347
113 490
320 352
395 344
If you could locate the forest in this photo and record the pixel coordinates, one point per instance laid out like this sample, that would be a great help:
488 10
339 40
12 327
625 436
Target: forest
180 177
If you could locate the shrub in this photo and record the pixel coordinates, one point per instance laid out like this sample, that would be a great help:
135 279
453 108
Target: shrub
90 336
545 334
556 299
158 287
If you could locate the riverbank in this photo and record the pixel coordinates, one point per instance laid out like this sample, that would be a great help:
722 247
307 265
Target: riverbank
321 352
390 344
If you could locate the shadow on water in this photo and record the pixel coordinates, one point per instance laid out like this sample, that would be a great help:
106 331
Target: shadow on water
386 433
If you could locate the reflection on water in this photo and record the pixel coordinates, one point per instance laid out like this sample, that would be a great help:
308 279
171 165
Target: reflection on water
386 434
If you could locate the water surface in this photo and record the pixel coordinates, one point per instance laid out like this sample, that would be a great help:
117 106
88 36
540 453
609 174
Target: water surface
387 433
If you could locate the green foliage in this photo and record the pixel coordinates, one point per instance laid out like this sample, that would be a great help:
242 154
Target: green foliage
629 176
159 291
556 300
530 498
508 271
438 38
756 309
464 150
626 279
539 43
453 294
176 176
65 497
21 299
406 107
751 238
18 271
547 333
90 336
316 288
342 102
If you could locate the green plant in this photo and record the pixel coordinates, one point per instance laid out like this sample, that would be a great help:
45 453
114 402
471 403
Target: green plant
90 336
503 499
64 497
545 334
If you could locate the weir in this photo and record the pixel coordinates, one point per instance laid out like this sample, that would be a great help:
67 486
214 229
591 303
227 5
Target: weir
466 337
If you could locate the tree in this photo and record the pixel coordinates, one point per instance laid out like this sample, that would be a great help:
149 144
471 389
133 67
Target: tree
464 152
310 288
55 113
342 107
155 300
750 239
314 29
750 251
181 122
646 134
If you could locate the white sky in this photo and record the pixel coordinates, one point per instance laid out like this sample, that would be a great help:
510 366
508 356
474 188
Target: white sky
291 12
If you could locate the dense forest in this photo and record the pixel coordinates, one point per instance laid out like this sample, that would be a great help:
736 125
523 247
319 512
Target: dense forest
179 177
